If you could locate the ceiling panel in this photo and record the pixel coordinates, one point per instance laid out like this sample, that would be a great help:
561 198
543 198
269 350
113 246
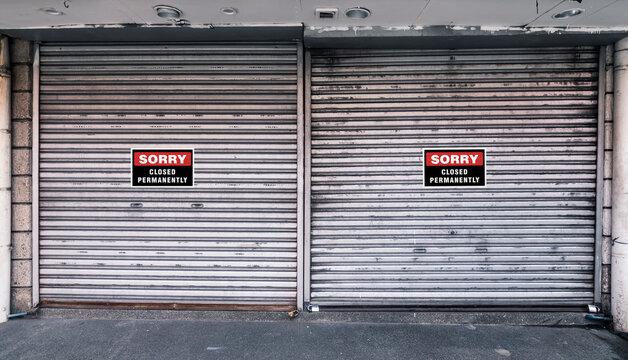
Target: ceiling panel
25 14
597 13
383 13
208 12
483 12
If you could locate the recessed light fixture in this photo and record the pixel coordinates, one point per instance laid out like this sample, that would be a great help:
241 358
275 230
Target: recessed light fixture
357 13
167 12
229 10
52 11
568 13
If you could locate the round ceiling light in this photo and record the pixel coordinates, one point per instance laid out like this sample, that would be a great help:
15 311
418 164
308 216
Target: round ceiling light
568 13
52 11
229 10
167 12
357 13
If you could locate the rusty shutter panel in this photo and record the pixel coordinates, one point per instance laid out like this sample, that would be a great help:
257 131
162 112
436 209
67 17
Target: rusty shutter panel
229 240
378 237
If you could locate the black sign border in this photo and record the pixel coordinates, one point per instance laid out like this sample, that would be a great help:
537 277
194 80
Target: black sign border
455 186
133 150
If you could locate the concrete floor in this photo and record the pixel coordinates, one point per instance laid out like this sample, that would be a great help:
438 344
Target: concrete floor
52 338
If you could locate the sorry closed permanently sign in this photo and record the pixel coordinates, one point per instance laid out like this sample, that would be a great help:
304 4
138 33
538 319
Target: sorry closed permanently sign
163 167
454 167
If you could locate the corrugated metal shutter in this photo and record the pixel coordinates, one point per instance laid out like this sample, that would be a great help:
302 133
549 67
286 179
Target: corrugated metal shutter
229 240
378 237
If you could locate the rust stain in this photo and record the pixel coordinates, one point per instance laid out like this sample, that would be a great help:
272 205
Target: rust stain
159 306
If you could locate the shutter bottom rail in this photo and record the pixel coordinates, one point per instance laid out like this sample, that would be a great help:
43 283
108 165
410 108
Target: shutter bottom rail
160 306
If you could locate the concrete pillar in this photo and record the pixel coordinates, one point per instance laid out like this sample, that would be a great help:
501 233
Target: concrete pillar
5 180
21 164
619 250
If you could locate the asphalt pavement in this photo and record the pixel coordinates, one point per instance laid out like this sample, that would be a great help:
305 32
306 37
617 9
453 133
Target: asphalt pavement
51 338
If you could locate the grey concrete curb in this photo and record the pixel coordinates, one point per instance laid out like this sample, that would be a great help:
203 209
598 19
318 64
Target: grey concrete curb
422 318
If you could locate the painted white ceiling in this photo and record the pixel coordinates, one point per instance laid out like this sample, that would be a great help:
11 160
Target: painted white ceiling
598 13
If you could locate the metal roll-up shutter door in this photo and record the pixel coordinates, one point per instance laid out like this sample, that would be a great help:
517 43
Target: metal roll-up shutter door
229 240
378 237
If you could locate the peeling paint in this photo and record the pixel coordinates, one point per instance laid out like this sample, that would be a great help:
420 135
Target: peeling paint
254 25
491 28
158 25
323 29
202 26
399 28
588 30
549 30
361 28
553 29
487 29
85 26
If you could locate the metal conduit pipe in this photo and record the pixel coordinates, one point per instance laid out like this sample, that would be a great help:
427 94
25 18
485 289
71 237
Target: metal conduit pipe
5 180
619 252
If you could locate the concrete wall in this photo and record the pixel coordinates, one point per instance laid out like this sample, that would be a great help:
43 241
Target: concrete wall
22 53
